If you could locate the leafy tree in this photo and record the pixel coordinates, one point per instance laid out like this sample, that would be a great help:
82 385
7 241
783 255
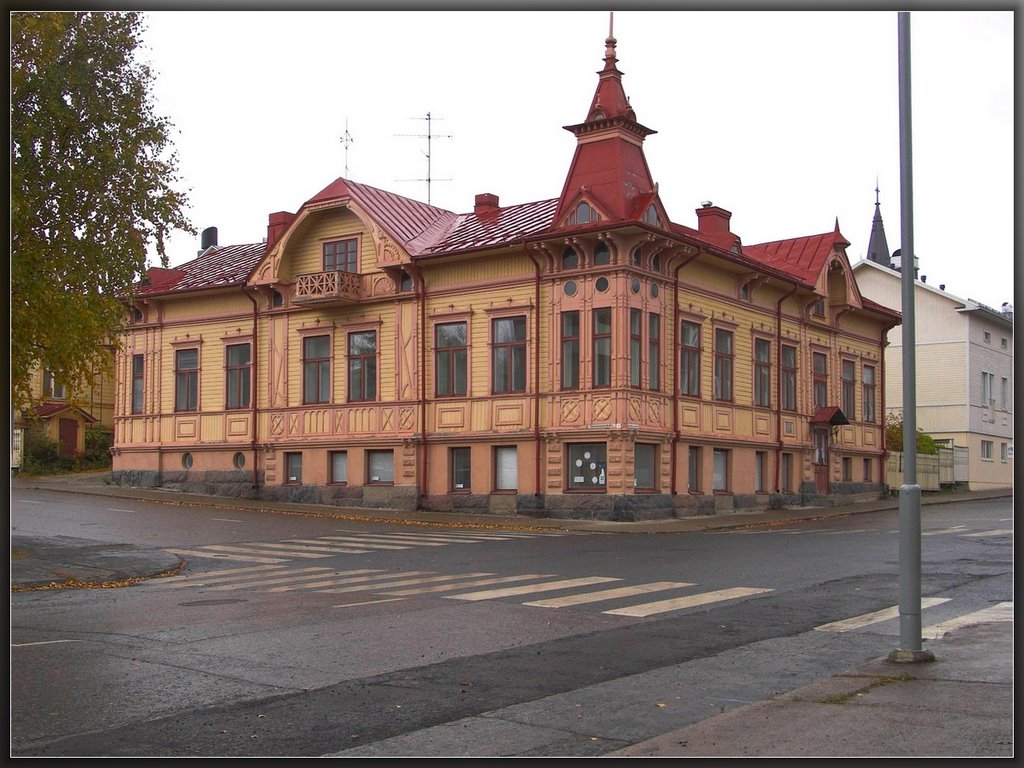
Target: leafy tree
894 436
92 175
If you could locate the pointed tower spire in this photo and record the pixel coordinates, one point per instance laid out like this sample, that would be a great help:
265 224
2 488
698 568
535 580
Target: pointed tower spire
609 169
878 248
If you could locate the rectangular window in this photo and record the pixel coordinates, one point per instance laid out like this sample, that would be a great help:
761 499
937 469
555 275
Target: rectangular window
786 473
186 380
340 256
820 372
1003 453
138 381
847 469
450 359
693 470
762 373
819 308
986 450
52 389
988 337
339 467
636 341
868 378
316 369
1002 342
760 471
508 355
1005 393
459 460
362 366
654 351
645 458
237 375
723 365
380 467
587 466
720 470
293 468
988 381
571 350
867 471
602 367
849 377
506 468
689 360
787 370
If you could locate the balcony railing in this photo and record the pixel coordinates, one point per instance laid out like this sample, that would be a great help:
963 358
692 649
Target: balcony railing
326 287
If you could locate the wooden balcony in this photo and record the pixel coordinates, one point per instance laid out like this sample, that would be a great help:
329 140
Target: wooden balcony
320 288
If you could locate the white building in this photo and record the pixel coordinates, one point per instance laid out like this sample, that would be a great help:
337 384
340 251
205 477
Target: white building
964 366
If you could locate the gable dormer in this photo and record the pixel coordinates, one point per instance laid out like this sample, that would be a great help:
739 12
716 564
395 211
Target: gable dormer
609 168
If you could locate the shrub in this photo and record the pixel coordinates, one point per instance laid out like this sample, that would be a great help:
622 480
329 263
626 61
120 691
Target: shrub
894 436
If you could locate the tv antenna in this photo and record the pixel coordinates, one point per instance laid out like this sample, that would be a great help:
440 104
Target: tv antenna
346 139
429 136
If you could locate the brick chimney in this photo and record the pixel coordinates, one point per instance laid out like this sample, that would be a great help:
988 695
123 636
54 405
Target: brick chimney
485 204
712 220
276 225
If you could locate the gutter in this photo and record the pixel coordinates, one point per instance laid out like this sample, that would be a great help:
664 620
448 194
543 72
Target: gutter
778 384
536 376
253 389
675 371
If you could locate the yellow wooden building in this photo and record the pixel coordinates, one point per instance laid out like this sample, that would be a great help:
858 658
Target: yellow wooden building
580 356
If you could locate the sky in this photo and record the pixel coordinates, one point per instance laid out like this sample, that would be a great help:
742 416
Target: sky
788 119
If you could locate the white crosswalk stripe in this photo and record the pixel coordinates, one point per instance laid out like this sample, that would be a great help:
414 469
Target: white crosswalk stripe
227 556
547 586
981 534
867 619
998 612
464 584
382 577
675 604
608 594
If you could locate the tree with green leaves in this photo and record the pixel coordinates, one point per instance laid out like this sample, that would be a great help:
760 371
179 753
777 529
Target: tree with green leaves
92 185
894 436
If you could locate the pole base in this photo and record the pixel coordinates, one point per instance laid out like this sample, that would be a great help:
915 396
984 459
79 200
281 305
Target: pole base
910 657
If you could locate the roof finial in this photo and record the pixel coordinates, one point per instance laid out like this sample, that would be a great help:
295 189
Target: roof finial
876 190
611 23
609 43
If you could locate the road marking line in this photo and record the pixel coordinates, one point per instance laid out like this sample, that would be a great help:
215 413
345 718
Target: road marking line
940 531
367 602
609 594
464 584
980 534
117 509
647 609
43 642
226 520
26 501
226 573
258 583
226 556
998 612
382 588
205 581
258 551
546 586
334 582
865 619
376 543
289 546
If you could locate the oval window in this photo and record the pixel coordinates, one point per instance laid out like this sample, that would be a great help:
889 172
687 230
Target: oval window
601 284
635 285
654 290
239 460
186 461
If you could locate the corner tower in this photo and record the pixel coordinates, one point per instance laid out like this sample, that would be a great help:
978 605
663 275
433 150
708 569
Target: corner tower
608 179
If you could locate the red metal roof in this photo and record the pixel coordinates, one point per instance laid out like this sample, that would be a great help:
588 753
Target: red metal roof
52 408
411 223
832 415
504 226
217 267
801 257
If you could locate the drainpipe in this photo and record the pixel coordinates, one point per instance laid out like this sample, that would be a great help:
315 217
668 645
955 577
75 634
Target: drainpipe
536 376
675 370
421 297
778 385
884 342
253 389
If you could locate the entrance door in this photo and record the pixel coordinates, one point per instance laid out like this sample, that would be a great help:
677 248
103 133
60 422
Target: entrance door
821 440
68 430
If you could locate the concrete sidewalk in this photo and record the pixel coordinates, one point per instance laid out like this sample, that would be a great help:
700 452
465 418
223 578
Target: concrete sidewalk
960 704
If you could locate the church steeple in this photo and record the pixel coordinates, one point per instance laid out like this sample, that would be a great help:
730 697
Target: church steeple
609 170
878 248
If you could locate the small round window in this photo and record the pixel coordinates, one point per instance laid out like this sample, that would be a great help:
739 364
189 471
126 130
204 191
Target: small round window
654 290
186 461
601 284
570 288
635 285
570 260
239 460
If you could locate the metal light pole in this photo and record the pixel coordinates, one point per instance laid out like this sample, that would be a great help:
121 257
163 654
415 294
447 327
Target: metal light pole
910 492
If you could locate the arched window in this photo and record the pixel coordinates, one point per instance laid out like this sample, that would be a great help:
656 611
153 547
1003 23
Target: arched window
601 254
651 216
570 259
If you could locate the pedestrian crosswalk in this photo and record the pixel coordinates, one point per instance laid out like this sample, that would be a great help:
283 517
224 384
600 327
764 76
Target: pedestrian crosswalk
999 612
465 587
347 543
